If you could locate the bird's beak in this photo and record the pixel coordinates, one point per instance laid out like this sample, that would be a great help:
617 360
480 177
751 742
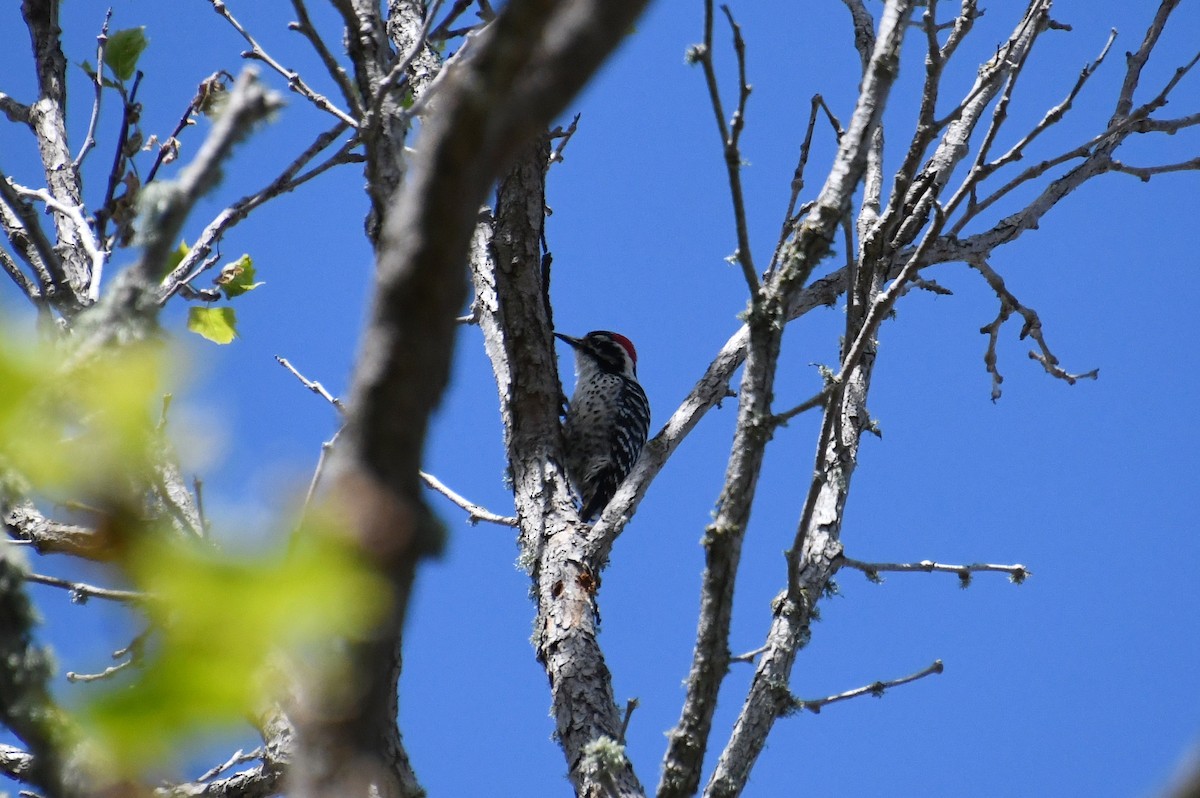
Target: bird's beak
575 342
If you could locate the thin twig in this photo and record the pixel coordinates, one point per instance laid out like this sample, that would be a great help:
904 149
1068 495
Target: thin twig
730 134
749 655
1017 573
120 159
326 446
89 138
107 673
169 149
630 706
238 758
563 136
81 591
286 181
294 81
305 28
312 385
877 689
475 512
318 472
1032 328
1144 173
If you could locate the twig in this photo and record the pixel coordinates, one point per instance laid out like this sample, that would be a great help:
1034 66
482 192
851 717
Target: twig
14 762
1032 328
563 136
730 133
312 385
1017 573
981 169
475 513
249 103
133 651
197 488
1144 173
81 592
443 30
108 672
789 217
238 758
295 82
287 180
815 401
169 149
89 138
25 524
305 28
318 472
326 446
877 689
120 160
749 655
630 706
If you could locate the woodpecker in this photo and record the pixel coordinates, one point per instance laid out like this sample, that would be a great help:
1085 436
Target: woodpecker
607 419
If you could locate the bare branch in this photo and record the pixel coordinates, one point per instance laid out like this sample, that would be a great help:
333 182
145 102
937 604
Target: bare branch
1032 328
289 179
789 218
564 138
814 705
475 513
535 58
730 134
981 169
1144 173
1017 573
725 535
312 385
81 591
294 81
89 138
305 28
168 150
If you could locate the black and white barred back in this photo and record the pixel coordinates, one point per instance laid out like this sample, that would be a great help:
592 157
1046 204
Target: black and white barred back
607 420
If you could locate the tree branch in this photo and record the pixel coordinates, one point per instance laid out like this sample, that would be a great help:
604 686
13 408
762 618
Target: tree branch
1017 573
536 57
877 689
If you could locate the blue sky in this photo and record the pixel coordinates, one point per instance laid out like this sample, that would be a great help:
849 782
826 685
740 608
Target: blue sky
1081 681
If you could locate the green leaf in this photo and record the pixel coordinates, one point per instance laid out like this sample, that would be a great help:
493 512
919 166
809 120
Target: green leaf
218 325
237 278
75 428
222 621
123 50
